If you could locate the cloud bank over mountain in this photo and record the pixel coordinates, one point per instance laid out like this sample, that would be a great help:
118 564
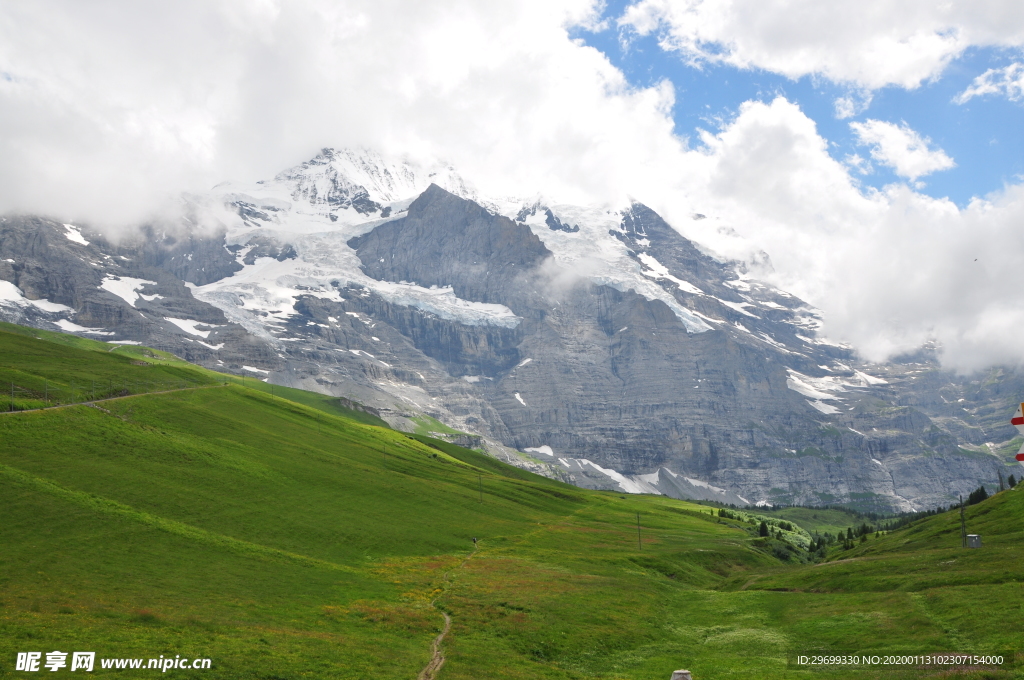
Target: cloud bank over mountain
110 110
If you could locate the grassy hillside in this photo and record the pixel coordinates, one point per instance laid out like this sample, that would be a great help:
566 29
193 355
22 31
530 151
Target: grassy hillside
36 374
276 538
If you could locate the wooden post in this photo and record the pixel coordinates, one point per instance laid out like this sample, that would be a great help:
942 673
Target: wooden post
963 524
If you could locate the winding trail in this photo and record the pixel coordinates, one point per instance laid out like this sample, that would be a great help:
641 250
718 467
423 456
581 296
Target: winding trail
437 658
93 402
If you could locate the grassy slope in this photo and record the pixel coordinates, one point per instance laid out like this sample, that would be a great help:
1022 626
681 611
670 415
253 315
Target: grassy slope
101 370
965 599
220 522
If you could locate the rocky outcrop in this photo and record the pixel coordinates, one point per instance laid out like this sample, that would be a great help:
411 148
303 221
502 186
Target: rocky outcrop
445 240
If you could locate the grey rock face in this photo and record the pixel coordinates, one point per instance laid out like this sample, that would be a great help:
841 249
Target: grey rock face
191 257
445 240
616 379
47 265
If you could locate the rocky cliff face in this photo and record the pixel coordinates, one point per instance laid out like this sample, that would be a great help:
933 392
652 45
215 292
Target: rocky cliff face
596 345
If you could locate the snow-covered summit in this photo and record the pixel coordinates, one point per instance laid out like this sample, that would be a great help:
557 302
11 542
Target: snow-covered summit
384 181
336 188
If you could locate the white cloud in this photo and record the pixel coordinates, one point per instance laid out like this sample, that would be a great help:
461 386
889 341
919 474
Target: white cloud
108 108
858 164
900 148
871 43
890 270
852 104
1007 81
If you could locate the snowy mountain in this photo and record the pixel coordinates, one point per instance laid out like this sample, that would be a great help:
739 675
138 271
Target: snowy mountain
596 344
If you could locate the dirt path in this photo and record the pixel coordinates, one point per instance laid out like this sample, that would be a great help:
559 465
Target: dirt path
437 659
429 671
97 401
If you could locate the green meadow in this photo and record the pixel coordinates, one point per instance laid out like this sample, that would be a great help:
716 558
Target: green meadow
283 536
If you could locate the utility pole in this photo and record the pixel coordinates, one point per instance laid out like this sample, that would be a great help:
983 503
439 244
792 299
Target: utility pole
639 544
963 524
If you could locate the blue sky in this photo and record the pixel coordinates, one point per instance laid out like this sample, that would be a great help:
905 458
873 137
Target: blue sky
984 136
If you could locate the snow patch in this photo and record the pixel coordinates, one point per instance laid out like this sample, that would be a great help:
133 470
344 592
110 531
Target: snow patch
657 270
738 284
869 379
189 326
11 293
814 388
444 303
625 483
255 370
520 399
523 362
827 409
73 233
546 450
51 307
126 288
738 307
69 327
774 343
821 341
